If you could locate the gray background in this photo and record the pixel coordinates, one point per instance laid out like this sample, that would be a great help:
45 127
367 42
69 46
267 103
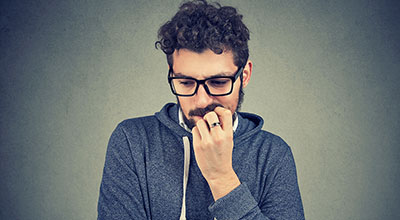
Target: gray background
325 79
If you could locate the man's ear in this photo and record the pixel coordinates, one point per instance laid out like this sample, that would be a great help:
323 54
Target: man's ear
247 73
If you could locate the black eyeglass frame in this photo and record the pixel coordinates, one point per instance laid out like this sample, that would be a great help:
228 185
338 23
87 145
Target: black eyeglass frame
198 82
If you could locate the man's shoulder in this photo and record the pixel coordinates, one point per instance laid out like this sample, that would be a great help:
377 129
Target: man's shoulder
272 143
271 137
138 120
255 124
135 123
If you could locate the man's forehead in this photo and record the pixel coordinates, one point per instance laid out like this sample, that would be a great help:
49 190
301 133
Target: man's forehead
204 64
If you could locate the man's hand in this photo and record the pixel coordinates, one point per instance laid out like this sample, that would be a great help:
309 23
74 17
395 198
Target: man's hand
213 146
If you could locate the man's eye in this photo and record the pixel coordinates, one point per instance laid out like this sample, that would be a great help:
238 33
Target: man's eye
186 82
218 82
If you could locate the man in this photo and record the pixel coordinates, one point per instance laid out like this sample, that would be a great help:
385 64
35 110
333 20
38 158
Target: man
200 158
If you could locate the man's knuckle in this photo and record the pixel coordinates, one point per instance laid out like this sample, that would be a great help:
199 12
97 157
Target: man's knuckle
227 112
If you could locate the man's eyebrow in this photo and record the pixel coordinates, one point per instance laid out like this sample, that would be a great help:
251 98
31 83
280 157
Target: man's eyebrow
214 75
179 75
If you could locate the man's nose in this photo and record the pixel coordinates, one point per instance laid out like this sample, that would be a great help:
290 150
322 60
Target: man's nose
202 98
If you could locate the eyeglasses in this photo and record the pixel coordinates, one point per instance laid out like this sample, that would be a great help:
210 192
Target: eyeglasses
215 86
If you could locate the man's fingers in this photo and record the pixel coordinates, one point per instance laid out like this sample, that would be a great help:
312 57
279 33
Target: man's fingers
213 121
196 136
203 129
225 116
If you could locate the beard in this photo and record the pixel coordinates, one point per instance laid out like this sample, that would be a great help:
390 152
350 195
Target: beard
203 111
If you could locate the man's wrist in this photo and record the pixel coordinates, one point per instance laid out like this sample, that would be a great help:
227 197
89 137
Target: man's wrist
222 186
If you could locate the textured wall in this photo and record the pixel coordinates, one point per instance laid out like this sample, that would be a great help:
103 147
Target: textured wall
325 79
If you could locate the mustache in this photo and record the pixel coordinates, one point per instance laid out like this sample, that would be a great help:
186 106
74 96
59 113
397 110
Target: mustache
203 111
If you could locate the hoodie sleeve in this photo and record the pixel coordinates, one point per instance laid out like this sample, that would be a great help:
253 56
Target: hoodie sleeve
120 194
282 201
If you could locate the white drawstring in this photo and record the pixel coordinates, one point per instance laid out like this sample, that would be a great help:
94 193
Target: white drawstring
186 148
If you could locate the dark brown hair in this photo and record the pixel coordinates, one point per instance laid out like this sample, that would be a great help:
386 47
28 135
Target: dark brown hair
198 26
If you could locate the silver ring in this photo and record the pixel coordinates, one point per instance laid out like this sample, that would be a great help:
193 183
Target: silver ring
215 124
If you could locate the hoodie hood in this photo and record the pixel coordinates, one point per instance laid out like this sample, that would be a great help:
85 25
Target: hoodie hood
249 124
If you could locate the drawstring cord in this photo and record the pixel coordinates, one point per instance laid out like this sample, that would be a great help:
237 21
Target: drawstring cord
186 148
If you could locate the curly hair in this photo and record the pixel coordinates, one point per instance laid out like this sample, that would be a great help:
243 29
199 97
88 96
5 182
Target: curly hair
198 26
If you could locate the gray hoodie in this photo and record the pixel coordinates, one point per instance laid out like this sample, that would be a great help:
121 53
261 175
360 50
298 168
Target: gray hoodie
146 177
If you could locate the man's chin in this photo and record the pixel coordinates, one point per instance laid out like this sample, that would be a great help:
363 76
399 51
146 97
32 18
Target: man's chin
191 122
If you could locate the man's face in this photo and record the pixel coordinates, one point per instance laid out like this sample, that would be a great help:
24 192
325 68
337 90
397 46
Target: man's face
201 66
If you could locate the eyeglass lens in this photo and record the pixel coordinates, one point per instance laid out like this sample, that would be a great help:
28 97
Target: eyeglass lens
216 86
